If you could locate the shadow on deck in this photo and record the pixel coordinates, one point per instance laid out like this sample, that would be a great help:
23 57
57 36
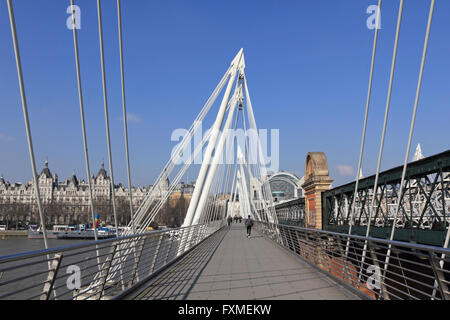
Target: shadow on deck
230 266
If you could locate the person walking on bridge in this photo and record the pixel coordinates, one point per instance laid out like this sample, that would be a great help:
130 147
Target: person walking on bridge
229 220
249 225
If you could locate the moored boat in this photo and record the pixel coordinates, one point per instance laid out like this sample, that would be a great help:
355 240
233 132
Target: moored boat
71 232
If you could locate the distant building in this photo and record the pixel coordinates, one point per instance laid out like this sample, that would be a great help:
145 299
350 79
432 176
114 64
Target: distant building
285 186
72 190
418 154
67 201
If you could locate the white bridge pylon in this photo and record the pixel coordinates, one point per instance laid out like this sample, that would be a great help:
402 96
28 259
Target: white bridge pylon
222 135
213 189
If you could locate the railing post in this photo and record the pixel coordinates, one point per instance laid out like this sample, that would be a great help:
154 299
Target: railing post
196 235
315 246
344 260
183 241
309 253
193 235
323 246
135 274
439 276
301 245
288 238
284 238
158 246
373 255
203 233
170 248
51 276
104 273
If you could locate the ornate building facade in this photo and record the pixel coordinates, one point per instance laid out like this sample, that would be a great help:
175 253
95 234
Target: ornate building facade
66 201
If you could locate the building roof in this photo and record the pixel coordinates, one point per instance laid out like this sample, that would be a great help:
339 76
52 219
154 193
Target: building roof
74 179
102 171
46 171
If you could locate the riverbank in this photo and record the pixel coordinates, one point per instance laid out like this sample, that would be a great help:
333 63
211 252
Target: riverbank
13 233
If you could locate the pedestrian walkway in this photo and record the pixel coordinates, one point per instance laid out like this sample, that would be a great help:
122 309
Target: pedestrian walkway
231 266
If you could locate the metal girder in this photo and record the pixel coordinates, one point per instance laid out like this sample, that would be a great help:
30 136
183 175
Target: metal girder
291 212
423 207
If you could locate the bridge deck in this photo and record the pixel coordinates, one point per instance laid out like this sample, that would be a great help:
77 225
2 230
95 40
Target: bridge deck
230 266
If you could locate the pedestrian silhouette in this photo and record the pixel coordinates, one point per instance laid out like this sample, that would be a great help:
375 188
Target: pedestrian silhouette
249 225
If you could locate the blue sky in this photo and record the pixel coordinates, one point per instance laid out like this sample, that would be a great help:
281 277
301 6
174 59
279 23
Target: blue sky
307 65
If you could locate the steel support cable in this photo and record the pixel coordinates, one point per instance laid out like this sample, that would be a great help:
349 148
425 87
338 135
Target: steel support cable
253 125
209 202
156 209
363 138
231 152
231 159
218 154
251 202
141 212
245 191
196 151
215 194
266 186
369 94
125 126
222 191
234 185
83 128
219 146
26 119
27 128
195 206
411 131
223 210
223 194
246 151
234 147
241 196
193 211
380 154
222 184
243 182
186 139
180 174
105 102
122 77
233 192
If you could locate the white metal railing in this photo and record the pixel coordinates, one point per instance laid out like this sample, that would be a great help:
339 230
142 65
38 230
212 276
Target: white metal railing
84 271
413 272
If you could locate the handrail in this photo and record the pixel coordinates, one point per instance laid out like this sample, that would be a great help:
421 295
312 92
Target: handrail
30 254
97 269
414 271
